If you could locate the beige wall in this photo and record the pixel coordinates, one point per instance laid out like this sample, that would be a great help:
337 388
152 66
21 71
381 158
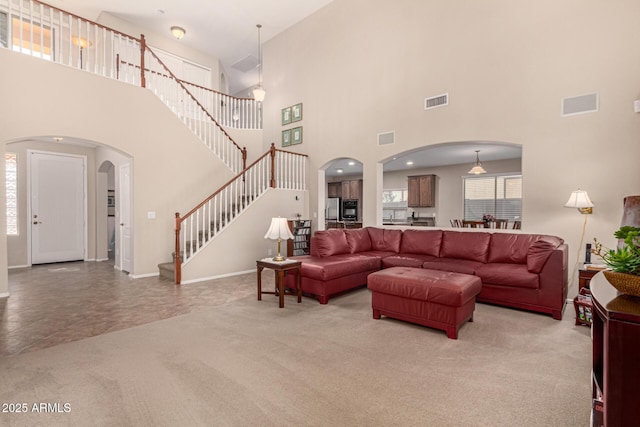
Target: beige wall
361 67
167 157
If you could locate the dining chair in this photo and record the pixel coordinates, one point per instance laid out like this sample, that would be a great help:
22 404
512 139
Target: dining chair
516 225
473 224
500 223
455 223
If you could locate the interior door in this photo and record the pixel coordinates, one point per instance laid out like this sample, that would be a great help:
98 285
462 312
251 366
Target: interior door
124 216
58 212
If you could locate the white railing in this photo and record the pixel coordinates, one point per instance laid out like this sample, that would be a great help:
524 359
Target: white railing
196 229
49 33
239 113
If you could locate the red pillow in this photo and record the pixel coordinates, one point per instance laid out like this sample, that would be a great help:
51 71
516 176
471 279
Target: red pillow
421 242
540 251
331 242
385 240
358 240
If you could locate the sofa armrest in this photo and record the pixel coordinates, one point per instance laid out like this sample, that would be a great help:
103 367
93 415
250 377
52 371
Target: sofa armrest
554 280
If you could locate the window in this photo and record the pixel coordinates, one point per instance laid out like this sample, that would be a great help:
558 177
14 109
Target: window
394 204
25 36
498 195
11 168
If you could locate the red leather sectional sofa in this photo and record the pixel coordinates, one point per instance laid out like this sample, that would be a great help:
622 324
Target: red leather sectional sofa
527 271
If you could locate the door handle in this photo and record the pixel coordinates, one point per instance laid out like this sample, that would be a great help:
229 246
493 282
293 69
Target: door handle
122 224
37 222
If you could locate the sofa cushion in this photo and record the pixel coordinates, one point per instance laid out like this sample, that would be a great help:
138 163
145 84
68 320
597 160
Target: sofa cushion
338 266
510 248
330 242
358 240
540 251
385 240
406 260
472 246
508 274
421 242
462 266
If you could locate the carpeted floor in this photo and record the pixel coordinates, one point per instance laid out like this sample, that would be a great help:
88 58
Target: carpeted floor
249 363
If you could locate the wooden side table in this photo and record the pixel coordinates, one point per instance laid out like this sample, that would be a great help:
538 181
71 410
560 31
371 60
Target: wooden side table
281 268
584 277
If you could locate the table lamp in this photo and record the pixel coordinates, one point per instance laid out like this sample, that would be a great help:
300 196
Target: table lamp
278 230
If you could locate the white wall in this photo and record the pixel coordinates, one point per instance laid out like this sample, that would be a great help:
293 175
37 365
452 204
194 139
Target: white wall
361 67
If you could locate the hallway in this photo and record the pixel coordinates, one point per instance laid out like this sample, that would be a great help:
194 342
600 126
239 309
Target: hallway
52 304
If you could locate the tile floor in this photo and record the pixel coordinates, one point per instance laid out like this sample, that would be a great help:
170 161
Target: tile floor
56 303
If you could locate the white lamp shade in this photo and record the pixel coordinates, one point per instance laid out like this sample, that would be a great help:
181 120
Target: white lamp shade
579 199
259 93
477 170
279 229
178 32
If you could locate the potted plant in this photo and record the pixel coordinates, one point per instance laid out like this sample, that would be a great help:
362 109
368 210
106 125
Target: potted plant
624 261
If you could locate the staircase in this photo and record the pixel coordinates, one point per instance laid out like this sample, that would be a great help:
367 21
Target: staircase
128 59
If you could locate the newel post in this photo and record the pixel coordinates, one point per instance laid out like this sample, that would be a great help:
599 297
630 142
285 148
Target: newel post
177 258
244 158
272 153
143 48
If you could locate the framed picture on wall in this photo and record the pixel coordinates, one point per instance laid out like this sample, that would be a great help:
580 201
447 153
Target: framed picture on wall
111 203
286 138
296 112
286 116
296 135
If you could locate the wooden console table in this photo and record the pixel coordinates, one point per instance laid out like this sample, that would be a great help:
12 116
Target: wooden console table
616 355
281 268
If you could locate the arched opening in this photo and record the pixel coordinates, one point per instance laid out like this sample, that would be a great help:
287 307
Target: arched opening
106 203
434 185
340 201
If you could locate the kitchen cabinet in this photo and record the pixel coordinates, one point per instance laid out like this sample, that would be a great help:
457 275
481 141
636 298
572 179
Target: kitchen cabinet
334 189
421 191
352 190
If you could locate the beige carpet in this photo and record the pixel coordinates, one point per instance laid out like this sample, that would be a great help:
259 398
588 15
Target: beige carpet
248 363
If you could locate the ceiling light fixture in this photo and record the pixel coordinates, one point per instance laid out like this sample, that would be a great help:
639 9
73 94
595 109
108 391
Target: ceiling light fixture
178 32
409 163
477 168
339 170
57 138
352 163
258 91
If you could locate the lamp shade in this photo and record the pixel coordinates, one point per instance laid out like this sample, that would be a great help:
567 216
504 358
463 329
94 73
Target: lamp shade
279 229
579 199
178 32
259 93
477 168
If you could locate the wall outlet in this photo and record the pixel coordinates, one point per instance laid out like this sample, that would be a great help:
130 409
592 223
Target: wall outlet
269 252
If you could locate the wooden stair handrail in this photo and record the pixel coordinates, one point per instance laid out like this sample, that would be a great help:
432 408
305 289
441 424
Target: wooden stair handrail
192 97
180 219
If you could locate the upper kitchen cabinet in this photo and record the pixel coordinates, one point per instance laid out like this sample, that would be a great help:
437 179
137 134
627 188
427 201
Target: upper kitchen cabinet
352 190
422 191
334 189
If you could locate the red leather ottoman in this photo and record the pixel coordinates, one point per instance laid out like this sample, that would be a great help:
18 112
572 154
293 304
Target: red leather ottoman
438 299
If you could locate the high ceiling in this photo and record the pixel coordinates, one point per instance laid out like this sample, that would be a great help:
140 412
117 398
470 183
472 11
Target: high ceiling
225 29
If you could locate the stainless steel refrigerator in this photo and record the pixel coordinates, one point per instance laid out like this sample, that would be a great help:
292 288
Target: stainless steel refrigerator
332 209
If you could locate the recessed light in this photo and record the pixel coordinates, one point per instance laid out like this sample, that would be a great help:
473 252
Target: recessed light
339 170
352 163
409 163
57 138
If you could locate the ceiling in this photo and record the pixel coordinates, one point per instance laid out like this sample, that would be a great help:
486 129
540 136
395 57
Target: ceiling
440 155
225 29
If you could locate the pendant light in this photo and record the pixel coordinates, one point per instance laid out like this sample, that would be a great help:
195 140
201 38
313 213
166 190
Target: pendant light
477 168
258 91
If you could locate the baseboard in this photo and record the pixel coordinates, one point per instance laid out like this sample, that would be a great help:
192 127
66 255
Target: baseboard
141 276
11 267
102 259
222 276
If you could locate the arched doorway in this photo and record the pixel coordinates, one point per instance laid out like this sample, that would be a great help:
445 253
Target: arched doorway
340 200
106 222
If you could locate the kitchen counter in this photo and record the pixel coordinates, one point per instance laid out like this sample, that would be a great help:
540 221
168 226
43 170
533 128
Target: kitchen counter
427 222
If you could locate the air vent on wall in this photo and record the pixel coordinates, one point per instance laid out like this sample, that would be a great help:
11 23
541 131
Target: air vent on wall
387 138
436 101
580 104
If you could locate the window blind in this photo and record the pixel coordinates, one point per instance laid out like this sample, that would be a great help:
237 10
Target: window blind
497 195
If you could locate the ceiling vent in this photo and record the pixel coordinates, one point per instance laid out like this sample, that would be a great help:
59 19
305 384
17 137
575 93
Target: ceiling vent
436 101
580 104
247 63
387 138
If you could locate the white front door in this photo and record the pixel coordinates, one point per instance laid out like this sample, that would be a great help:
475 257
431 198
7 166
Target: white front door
124 217
58 208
